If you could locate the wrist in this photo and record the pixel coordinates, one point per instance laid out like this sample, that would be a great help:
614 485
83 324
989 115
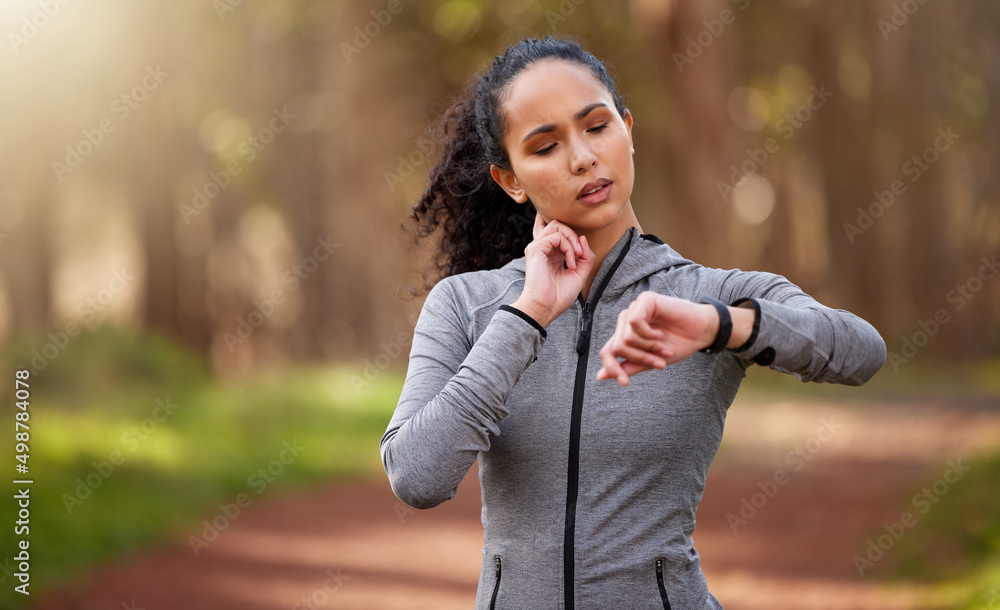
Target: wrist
743 320
537 313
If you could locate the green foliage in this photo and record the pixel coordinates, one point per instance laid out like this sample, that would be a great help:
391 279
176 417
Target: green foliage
961 531
134 444
957 542
111 361
985 588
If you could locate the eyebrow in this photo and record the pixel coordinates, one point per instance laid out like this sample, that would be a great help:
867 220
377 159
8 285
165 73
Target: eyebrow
576 117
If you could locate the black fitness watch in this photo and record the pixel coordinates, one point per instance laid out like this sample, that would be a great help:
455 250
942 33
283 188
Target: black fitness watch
725 326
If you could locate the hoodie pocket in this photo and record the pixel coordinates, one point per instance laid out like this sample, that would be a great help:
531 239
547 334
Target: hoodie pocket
496 585
659 583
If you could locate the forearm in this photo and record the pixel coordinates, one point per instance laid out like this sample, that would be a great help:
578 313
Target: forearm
435 436
797 334
815 343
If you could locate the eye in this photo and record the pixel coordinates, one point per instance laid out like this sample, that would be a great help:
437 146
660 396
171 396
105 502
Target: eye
599 128
546 150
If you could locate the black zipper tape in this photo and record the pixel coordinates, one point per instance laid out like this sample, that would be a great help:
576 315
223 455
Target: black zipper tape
496 586
659 582
573 472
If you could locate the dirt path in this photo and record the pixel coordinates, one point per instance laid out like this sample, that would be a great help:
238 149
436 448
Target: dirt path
357 546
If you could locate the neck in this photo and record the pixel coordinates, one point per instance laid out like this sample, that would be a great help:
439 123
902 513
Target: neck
602 240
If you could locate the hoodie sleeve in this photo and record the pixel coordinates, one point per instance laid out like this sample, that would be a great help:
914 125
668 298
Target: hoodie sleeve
453 396
796 334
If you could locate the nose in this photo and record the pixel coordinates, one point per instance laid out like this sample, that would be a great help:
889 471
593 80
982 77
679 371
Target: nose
583 157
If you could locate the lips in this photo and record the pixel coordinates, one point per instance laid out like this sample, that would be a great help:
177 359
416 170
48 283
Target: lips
592 185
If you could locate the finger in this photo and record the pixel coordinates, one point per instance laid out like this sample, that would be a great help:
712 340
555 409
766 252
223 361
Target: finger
611 367
559 240
632 338
642 328
624 343
585 247
659 349
633 361
616 373
631 368
569 233
609 353
640 356
567 247
621 377
628 369
639 332
538 227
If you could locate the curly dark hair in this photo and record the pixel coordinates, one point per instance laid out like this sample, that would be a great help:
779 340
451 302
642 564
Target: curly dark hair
479 225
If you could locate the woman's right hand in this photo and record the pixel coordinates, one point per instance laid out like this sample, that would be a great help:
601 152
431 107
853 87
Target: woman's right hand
557 262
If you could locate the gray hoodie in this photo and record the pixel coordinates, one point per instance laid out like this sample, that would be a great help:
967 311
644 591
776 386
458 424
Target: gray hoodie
590 489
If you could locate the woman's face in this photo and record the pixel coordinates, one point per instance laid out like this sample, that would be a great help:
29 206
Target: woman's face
564 137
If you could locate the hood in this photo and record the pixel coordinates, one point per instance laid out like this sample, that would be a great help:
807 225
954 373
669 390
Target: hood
647 254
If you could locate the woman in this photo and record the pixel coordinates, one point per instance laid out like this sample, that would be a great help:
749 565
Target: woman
589 488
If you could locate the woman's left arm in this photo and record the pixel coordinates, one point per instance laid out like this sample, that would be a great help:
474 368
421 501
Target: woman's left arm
796 334
788 330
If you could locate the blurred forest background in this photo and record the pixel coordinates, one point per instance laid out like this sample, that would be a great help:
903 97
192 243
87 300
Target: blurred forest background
203 215
186 211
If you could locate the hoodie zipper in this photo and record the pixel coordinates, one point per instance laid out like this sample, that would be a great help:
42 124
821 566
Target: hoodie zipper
659 583
496 587
573 473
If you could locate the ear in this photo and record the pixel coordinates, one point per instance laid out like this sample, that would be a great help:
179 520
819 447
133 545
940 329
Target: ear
628 125
509 183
